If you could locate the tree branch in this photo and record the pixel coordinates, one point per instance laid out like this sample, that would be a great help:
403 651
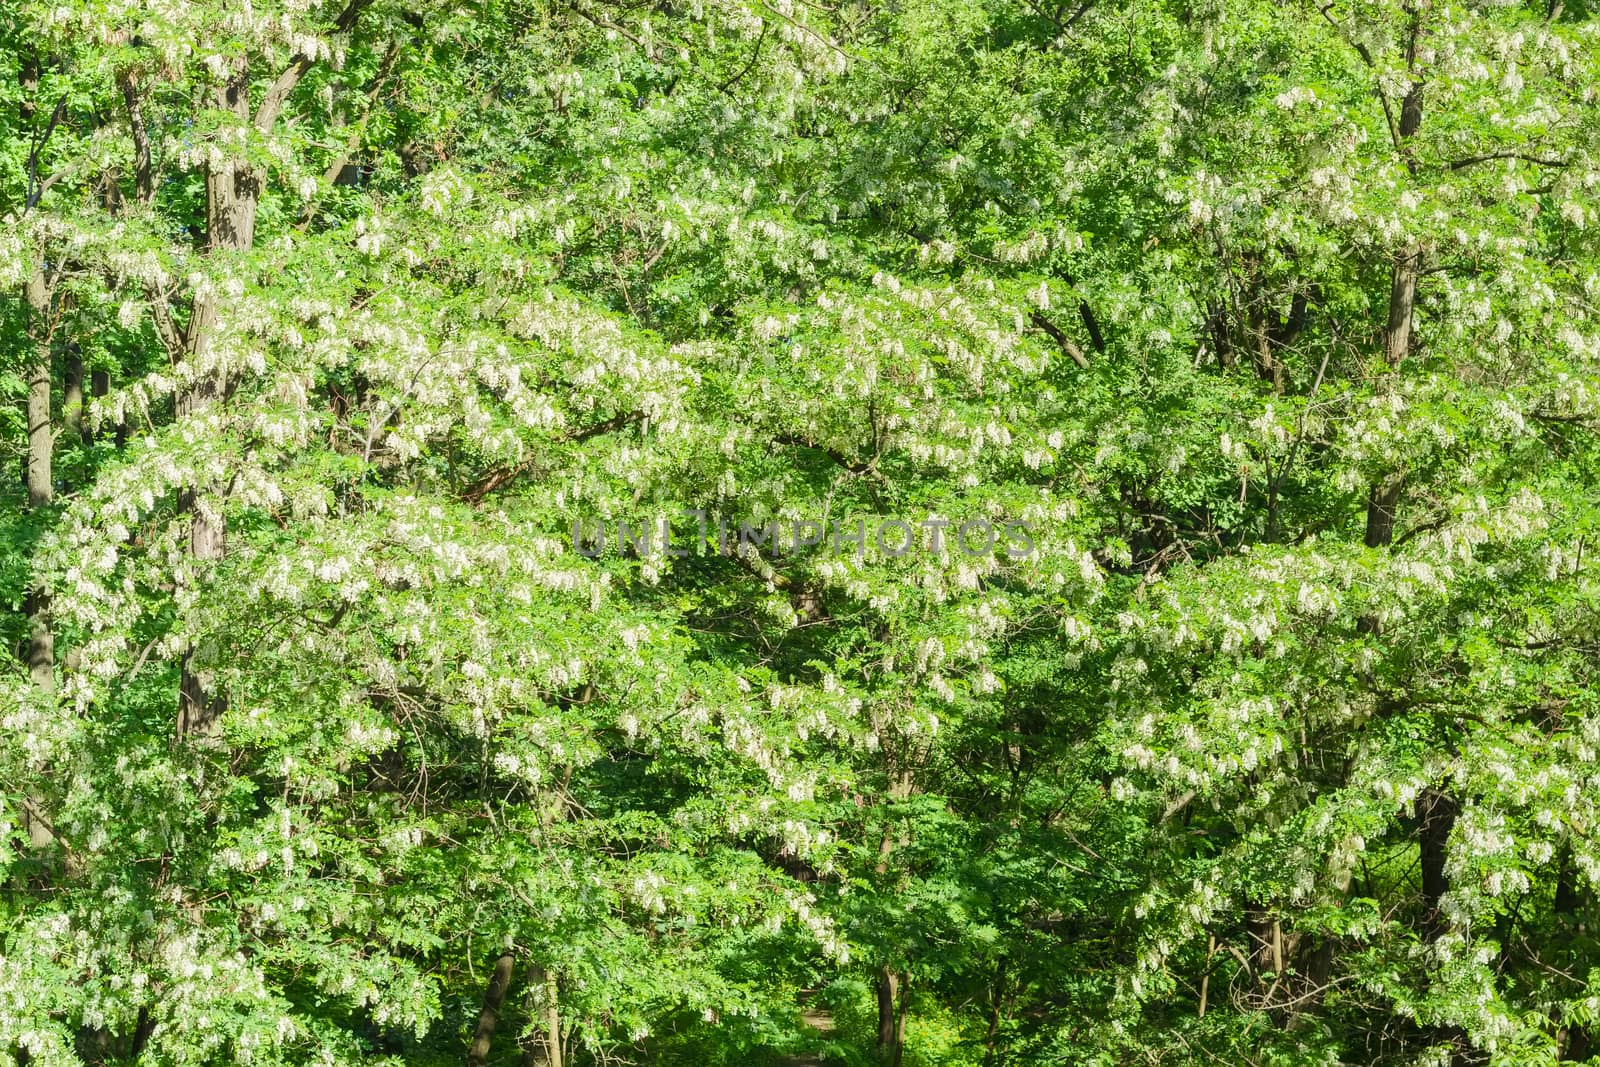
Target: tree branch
337 165
853 466
272 103
755 54
168 330
607 24
1091 324
35 190
1462 164
497 478
1061 339
1366 57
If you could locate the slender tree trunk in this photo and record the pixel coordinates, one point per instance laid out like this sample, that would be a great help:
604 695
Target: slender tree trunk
233 190
41 649
552 1026
1217 327
72 402
890 1027
143 173
41 489
1266 940
1403 275
1268 366
493 1000
1576 1044
543 1050
1402 304
1384 496
1437 812
997 999
900 1022
199 704
37 297
99 386
38 477
1382 501
888 1023
1567 896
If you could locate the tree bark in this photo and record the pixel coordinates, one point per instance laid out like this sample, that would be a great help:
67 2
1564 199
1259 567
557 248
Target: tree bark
888 1023
233 191
890 1028
99 386
38 477
1566 899
37 298
41 650
493 1000
1217 327
1403 275
543 1050
1266 937
1382 500
1576 1044
1384 496
73 405
41 489
1268 366
997 997
1402 303
900 1022
1436 812
143 172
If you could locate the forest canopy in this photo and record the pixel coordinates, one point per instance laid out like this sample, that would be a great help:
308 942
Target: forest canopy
919 533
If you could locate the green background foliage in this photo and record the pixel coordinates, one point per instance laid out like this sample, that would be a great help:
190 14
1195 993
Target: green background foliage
1274 323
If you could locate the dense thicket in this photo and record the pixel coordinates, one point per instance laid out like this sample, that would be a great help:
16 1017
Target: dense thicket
333 333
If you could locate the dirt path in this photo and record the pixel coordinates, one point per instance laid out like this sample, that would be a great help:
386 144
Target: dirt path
820 1021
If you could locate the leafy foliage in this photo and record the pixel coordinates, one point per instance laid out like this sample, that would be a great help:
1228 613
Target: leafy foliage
1273 325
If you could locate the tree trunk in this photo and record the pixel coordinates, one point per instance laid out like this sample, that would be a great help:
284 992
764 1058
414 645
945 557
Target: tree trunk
99 386
73 406
1381 503
233 185
1403 276
233 190
997 999
888 1022
543 996
143 173
1266 941
900 1022
37 298
889 1026
1436 812
1576 1045
493 999
1217 327
1384 496
200 706
1402 301
41 489
1268 366
1567 896
38 477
